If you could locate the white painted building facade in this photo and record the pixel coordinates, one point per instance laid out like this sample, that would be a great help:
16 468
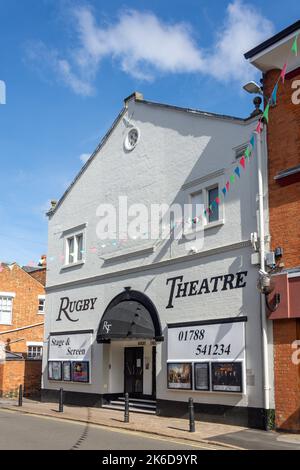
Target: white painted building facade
153 317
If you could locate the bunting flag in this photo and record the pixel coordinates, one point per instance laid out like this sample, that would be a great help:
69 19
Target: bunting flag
295 46
227 185
218 200
243 162
224 191
232 178
237 171
259 127
252 141
274 94
266 112
283 72
247 152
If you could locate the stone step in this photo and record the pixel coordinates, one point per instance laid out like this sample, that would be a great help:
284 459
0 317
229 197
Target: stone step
134 404
133 409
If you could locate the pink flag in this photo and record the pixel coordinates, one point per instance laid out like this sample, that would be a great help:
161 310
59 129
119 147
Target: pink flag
217 200
243 162
283 72
259 127
227 185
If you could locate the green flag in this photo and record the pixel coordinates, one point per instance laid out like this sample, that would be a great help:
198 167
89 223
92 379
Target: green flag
232 178
295 46
266 112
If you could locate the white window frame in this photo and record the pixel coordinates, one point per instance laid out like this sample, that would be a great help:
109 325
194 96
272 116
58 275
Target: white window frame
34 344
10 295
204 188
41 297
74 234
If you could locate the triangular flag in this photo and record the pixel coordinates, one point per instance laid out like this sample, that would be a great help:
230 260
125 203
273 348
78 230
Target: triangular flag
295 46
243 162
217 200
237 171
266 112
247 152
232 178
227 185
252 141
259 127
224 191
283 72
274 94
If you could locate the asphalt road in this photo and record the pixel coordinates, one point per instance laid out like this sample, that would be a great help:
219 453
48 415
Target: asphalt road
24 432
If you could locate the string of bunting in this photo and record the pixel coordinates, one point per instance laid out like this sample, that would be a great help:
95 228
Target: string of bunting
251 145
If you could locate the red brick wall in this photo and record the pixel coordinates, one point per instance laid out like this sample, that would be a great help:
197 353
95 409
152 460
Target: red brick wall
284 152
284 203
25 307
287 375
16 373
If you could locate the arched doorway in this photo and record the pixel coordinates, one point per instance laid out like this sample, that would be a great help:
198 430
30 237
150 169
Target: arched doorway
131 325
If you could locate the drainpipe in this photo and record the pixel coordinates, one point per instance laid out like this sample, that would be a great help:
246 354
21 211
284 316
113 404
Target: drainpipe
266 379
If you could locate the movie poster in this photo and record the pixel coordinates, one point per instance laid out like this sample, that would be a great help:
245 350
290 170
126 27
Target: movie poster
227 376
54 370
201 374
80 371
180 375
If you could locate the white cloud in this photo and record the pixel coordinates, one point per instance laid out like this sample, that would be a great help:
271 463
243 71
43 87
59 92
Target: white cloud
84 157
144 46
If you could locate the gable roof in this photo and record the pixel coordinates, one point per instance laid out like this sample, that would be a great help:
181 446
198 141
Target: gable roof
139 100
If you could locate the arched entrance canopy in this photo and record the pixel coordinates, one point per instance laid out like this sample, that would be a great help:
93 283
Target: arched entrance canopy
130 315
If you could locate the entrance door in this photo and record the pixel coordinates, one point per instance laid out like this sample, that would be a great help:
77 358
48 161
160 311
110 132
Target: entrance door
133 371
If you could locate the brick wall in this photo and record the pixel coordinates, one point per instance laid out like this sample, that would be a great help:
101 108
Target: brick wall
21 372
284 204
284 152
39 275
25 307
287 375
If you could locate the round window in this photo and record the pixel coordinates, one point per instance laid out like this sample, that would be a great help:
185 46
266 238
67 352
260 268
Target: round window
132 138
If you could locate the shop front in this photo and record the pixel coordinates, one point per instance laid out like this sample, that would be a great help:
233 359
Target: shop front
192 330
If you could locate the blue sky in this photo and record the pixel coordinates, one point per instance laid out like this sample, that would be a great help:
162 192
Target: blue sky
68 65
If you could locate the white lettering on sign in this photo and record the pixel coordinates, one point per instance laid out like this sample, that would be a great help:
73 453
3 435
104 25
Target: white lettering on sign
215 341
71 347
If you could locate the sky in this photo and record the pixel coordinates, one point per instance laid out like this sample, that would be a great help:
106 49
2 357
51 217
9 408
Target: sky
68 65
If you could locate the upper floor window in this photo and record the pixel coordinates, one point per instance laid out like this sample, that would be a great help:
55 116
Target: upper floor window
41 308
212 194
34 350
74 248
6 307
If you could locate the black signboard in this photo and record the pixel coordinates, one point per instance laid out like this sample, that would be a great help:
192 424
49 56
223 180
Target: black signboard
201 375
227 376
180 375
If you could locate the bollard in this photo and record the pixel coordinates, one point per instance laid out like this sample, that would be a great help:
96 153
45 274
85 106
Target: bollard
126 414
61 400
20 395
191 415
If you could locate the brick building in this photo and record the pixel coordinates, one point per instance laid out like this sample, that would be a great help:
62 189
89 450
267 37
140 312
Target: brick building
22 303
283 137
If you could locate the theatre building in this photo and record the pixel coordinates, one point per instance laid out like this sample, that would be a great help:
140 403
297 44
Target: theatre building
163 318
284 202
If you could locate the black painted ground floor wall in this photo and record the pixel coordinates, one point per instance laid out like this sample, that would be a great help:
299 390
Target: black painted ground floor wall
257 418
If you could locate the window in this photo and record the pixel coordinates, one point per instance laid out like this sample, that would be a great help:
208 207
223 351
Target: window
212 194
34 351
6 307
74 249
41 308
197 205
239 151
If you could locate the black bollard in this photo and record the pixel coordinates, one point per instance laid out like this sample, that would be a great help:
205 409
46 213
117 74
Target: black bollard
191 415
61 400
126 414
20 395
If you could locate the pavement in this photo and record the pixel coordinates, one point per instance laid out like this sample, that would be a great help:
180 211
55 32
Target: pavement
220 436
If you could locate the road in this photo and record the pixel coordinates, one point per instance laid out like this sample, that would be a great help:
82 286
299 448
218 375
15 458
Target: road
24 432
